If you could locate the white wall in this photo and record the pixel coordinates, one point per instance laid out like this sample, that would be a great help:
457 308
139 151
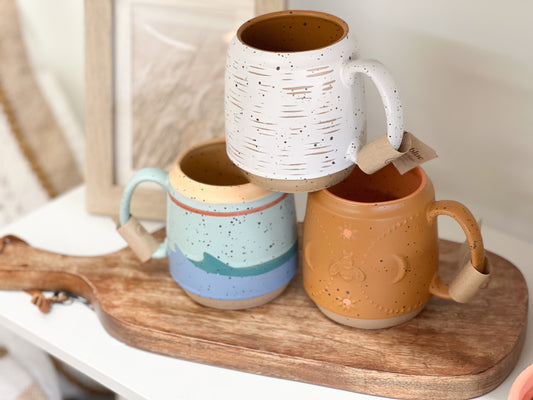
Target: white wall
53 30
465 74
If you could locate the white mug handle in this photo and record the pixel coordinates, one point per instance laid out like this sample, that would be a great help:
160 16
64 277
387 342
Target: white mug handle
388 91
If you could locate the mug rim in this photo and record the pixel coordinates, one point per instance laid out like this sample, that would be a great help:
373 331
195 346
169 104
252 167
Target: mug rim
423 182
276 14
209 193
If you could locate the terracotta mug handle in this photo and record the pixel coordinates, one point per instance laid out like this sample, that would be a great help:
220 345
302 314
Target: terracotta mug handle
475 273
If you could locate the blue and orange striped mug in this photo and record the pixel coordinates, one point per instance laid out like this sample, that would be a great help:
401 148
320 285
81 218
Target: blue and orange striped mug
230 244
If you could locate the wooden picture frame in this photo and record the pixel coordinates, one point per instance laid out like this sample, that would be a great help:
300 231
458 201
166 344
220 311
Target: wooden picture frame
103 192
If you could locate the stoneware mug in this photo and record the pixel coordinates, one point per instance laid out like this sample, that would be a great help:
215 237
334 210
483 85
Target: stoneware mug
522 388
230 244
371 253
294 100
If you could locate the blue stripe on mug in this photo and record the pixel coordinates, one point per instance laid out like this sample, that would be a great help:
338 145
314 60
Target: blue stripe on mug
233 287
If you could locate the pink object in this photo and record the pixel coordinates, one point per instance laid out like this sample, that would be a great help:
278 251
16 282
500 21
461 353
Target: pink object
522 388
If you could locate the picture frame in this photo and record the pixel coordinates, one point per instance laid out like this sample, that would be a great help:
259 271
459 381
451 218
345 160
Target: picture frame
109 100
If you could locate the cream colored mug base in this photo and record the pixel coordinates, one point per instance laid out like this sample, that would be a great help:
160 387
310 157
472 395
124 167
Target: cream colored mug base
298 185
236 304
370 323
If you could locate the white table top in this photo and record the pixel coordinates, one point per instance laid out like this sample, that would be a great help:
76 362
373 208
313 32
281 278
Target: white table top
74 334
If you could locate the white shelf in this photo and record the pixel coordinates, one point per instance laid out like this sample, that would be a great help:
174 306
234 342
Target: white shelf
74 334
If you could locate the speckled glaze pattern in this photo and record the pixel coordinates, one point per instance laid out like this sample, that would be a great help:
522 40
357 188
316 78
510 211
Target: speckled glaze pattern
232 251
229 242
298 114
371 254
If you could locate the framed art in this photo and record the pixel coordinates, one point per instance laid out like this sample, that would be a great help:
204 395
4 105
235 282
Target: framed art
154 86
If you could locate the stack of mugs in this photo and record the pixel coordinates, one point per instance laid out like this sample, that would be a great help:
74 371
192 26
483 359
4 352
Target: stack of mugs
295 122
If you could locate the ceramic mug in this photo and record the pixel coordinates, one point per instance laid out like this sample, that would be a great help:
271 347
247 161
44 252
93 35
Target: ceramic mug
294 100
371 248
522 387
230 244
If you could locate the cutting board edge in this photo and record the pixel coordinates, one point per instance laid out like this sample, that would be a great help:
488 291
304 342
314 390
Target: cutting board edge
285 366
22 279
367 381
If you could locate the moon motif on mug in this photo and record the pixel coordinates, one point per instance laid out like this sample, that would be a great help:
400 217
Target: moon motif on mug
387 264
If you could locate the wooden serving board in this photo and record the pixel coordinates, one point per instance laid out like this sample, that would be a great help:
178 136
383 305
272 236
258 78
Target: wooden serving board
449 351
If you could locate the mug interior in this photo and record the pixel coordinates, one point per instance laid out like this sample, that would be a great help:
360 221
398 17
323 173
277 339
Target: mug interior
292 31
385 185
210 165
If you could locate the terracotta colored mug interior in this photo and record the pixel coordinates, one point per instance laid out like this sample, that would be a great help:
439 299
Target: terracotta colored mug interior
387 184
211 165
292 31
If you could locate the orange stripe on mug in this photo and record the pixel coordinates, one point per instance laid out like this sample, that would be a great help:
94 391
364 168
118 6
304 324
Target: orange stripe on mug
226 214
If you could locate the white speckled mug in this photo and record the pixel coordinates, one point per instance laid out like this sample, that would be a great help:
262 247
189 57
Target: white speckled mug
294 100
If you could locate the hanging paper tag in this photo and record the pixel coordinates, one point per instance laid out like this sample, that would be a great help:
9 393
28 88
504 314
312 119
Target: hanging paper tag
469 280
378 153
140 241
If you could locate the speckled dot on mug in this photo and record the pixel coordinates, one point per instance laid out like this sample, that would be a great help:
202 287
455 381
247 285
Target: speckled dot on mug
370 248
294 104
230 243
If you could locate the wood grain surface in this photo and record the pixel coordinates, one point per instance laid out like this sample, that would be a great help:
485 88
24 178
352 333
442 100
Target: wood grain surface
450 351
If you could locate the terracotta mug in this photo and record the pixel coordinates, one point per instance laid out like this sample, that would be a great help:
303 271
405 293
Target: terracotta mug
230 244
522 388
294 101
371 248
